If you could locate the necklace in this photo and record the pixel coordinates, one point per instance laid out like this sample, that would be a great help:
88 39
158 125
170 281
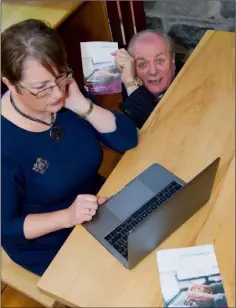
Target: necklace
55 131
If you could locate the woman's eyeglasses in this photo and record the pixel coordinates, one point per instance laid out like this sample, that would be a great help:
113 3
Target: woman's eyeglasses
61 82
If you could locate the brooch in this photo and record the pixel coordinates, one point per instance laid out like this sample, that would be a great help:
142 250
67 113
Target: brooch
40 165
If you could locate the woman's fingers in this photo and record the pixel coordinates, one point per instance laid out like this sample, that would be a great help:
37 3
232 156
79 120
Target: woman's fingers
86 217
90 212
90 205
102 200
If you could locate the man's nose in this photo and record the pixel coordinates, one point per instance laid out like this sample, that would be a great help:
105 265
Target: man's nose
153 69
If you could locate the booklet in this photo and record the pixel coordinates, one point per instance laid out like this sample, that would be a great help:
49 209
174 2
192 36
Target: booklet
190 277
100 73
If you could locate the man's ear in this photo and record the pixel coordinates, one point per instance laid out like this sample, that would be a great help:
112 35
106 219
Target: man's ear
10 86
173 61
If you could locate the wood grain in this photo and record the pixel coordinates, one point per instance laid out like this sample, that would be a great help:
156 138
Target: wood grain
13 298
192 125
54 12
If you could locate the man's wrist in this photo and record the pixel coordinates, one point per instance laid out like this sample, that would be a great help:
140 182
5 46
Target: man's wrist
134 82
130 90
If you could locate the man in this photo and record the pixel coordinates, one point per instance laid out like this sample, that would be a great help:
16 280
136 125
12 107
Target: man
207 295
147 69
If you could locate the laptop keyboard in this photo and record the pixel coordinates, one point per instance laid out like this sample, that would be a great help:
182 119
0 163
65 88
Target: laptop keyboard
118 237
180 301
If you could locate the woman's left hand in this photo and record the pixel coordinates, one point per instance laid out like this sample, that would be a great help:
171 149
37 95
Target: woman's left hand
74 99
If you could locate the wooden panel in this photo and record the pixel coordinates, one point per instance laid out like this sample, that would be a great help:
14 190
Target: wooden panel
114 20
89 23
139 15
24 281
80 27
53 12
12 298
214 232
110 160
3 286
127 20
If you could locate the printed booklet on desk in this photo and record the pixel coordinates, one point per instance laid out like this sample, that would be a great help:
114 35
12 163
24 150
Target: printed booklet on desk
190 277
100 73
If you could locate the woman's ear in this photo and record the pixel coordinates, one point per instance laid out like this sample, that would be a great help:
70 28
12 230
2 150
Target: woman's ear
6 81
9 85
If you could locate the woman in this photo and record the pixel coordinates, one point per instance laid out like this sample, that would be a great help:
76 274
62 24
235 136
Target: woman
50 154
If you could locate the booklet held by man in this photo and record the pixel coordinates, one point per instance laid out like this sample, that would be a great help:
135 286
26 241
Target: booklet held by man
100 73
190 277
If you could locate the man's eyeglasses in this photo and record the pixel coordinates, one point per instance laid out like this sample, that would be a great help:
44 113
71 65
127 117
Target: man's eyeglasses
60 82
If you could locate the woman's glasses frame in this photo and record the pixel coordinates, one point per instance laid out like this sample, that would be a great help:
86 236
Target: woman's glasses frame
61 81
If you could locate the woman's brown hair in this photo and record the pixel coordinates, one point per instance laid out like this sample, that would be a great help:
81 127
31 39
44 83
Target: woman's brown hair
31 38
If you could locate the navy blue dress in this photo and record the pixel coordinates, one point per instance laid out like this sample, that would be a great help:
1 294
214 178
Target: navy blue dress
71 169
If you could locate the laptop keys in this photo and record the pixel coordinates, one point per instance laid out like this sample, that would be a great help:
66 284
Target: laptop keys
129 227
144 215
113 233
118 237
114 239
125 254
119 229
119 248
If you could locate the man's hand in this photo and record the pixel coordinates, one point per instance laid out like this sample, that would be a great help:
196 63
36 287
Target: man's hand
202 299
126 65
200 288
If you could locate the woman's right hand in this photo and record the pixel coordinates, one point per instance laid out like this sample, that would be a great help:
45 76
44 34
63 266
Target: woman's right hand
83 209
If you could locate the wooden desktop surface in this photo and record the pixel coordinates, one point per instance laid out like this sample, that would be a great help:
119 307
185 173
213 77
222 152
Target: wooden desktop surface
192 125
54 12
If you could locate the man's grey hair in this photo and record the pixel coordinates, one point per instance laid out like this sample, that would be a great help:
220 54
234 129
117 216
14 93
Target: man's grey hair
166 37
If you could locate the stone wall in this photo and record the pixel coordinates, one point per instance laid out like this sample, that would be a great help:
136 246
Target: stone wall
187 20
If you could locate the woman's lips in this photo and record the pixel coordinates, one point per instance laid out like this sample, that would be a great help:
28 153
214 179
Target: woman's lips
56 103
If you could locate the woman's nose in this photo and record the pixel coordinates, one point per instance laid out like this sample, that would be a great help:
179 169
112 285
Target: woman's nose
57 92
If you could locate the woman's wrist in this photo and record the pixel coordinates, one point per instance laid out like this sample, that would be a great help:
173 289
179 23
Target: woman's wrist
66 221
81 106
89 108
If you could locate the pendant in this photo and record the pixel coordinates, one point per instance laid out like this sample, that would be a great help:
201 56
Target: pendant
56 133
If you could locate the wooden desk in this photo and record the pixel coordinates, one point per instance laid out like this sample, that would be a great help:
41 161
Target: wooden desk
53 12
192 125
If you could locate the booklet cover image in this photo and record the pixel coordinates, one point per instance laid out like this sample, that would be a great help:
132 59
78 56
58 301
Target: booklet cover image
100 73
190 277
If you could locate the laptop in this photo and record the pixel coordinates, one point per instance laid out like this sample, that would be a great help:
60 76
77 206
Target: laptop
147 210
179 299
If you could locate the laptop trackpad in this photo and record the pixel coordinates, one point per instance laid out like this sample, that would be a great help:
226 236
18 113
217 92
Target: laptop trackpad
130 199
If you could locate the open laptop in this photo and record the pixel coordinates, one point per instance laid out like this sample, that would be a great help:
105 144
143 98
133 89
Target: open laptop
172 294
137 219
